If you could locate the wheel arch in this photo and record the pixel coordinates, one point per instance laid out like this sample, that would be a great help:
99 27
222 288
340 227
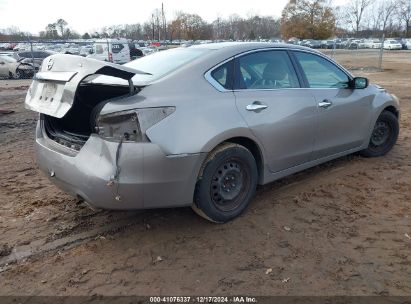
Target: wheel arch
391 109
251 145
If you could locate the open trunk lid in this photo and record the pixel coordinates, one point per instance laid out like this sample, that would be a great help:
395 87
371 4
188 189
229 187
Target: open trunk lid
54 87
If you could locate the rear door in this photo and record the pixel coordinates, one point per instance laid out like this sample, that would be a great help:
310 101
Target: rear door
120 52
280 113
343 113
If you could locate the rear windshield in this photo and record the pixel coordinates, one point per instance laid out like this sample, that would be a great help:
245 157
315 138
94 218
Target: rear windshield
163 62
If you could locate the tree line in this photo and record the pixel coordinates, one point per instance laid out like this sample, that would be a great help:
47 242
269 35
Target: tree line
303 19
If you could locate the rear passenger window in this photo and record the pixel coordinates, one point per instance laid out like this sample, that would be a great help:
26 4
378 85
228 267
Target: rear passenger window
265 70
224 75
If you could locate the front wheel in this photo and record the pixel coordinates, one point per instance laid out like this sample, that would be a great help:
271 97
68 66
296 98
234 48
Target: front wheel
226 184
384 135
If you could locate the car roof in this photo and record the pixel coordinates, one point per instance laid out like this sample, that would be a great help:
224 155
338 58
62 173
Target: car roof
245 46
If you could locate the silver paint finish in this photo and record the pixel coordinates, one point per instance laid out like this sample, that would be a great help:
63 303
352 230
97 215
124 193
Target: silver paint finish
53 89
292 131
148 178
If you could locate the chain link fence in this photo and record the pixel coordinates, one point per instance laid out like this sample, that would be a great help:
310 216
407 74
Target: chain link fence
21 60
367 60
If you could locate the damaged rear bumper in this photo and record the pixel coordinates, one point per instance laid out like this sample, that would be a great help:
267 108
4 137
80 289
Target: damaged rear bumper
148 178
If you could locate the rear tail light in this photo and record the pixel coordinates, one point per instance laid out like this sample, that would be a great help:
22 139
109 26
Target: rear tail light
110 57
130 125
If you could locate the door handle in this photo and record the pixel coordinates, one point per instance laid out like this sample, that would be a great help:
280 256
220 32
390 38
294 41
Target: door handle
256 106
325 104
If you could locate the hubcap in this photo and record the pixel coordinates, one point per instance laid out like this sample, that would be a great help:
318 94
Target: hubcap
380 134
229 185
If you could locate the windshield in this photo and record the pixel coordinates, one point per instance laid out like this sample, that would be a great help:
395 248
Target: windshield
163 62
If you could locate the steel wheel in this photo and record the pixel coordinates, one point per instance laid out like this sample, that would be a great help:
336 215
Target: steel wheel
226 183
230 183
384 135
380 134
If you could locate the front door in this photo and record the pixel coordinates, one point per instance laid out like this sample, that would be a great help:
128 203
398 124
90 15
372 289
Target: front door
344 114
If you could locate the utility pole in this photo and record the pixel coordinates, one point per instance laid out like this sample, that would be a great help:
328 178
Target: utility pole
152 22
158 25
164 21
381 52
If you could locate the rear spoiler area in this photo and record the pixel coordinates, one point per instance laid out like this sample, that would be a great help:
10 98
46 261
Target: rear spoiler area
54 87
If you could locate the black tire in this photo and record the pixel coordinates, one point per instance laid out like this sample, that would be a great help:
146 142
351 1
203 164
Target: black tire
226 183
384 135
18 75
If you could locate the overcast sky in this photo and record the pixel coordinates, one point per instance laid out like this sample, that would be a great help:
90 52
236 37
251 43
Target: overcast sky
88 15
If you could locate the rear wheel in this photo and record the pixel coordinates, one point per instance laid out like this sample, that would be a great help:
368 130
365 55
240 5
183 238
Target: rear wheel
226 184
17 75
384 135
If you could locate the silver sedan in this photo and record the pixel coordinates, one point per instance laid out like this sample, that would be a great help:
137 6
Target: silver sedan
201 126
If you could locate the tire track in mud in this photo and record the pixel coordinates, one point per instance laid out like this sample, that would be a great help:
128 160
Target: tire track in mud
42 246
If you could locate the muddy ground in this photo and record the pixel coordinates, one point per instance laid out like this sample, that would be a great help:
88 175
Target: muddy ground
342 228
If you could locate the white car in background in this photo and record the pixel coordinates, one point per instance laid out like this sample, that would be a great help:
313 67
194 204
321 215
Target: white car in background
11 68
111 50
368 43
375 44
392 45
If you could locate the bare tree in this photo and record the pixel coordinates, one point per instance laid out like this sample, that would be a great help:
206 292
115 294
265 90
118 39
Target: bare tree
355 11
404 12
386 10
61 26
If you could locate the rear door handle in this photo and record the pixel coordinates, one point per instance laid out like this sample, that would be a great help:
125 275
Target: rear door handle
256 106
325 104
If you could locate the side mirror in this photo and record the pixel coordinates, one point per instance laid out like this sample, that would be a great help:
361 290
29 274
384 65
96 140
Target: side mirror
359 83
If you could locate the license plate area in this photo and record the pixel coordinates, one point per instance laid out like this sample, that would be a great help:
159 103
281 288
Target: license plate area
48 93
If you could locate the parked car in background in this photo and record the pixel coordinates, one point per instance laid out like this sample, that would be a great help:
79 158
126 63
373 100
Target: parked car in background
6 53
11 68
392 45
135 51
71 48
7 46
86 50
353 44
327 44
408 44
22 47
111 50
376 44
314 44
35 57
148 50
201 126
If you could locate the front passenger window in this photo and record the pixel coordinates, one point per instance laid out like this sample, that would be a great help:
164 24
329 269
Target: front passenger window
321 73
